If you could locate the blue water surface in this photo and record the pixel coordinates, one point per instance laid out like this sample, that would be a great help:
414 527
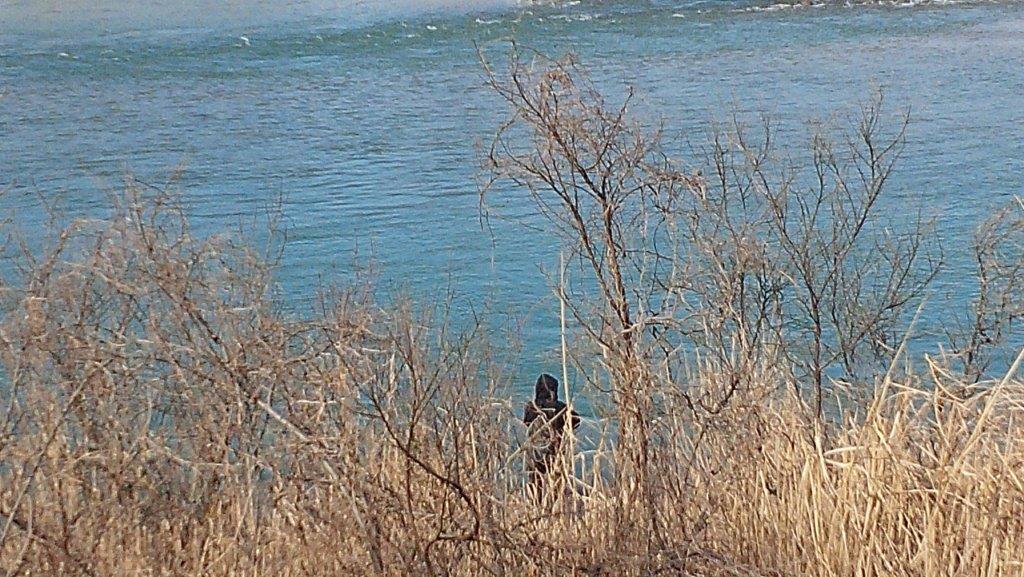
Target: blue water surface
367 118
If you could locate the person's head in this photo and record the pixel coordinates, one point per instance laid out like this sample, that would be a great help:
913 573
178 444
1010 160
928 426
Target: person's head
547 388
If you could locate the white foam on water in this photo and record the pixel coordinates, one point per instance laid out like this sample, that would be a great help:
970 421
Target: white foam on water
116 16
770 8
855 3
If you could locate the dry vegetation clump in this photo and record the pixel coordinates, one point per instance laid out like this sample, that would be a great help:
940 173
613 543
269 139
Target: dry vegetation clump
163 415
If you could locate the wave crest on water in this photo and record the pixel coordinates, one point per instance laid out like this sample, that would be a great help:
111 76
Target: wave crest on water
82 17
774 7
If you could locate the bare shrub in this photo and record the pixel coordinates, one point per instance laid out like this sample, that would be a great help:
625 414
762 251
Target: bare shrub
155 390
738 258
998 305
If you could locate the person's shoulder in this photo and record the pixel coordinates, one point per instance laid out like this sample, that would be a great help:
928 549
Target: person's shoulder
546 408
531 411
553 408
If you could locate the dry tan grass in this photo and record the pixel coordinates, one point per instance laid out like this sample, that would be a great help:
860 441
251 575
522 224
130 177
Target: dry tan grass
162 417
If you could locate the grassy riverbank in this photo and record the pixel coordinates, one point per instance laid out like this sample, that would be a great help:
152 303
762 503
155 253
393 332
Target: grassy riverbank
742 331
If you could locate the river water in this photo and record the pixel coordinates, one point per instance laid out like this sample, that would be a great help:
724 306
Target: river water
366 117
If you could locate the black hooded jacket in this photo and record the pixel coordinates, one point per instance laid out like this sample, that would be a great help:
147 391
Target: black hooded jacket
546 407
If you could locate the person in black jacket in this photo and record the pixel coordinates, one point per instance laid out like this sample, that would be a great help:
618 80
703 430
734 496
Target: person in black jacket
545 419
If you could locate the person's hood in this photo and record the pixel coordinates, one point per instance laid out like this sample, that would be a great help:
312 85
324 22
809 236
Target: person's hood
547 388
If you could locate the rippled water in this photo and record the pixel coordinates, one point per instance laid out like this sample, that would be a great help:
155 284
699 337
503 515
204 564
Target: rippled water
366 116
